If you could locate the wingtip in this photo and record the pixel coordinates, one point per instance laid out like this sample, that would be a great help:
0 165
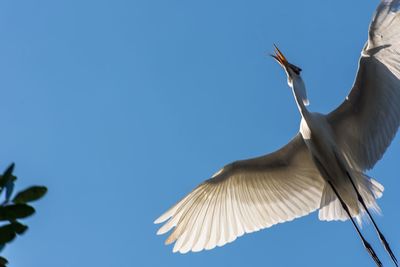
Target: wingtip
158 220
164 217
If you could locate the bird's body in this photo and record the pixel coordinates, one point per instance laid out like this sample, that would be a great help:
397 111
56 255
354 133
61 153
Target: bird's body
320 141
321 168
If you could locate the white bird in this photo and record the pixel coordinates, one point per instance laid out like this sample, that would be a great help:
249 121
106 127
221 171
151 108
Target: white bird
321 168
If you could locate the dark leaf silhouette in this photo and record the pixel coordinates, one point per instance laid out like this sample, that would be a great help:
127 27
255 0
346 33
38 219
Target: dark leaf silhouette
15 211
7 175
3 262
7 181
10 212
9 190
31 194
7 233
19 228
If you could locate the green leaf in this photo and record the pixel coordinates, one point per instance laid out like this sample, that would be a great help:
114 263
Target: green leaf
19 228
8 172
7 233
7 176
9 190
3 262
30 194
15 211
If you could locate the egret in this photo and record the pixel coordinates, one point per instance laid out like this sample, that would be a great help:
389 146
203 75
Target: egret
321 168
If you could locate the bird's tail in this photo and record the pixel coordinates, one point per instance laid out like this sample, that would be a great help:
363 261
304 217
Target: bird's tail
370 190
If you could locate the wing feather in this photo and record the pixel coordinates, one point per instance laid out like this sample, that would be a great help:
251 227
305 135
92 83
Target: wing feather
367 121
245 196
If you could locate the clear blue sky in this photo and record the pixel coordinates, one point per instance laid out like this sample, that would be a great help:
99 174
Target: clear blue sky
122 107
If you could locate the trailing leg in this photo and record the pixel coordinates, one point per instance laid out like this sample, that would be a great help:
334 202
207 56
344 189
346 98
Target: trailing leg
381 236
367 246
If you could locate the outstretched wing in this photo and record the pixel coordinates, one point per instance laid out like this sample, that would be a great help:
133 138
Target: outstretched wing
245 196
367 121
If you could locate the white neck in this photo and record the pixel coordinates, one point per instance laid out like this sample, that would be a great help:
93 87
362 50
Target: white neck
300 95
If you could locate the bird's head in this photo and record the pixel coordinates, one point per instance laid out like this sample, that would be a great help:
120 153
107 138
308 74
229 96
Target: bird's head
291 70
293 75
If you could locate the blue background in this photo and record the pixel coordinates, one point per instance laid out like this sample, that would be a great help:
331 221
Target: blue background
122 107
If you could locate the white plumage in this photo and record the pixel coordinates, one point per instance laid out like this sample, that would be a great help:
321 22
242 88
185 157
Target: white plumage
366 122
244 197
321 168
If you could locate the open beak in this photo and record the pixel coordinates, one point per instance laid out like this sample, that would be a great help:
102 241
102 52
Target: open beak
280 58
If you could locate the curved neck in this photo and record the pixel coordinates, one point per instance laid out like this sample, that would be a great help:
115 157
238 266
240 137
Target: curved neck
300 95
299 101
